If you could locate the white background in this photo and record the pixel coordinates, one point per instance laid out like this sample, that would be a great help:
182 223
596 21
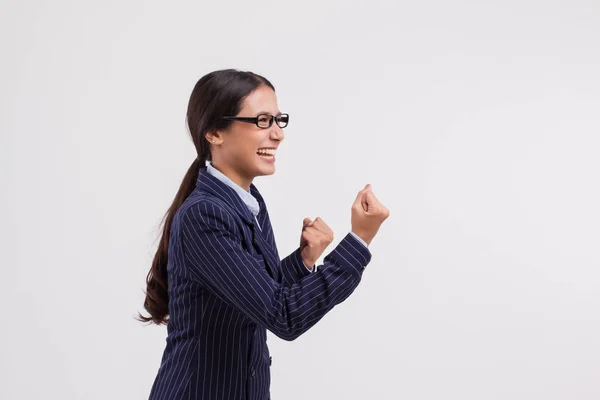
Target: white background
476 124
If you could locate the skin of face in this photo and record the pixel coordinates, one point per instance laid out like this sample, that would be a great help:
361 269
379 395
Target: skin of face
234 150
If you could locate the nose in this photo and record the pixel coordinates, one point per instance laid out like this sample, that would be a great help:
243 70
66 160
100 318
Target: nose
277 133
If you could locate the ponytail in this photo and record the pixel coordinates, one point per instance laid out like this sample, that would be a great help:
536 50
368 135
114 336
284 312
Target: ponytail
157 294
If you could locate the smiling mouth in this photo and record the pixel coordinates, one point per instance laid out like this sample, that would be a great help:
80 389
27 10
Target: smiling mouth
266 153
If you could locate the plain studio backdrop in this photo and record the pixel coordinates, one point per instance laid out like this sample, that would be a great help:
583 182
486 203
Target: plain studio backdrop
476 124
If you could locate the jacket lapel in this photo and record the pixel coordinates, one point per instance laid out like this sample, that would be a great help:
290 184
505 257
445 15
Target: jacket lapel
266 251
265 238
214 186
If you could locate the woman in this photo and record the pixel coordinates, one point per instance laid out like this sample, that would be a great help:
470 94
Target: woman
217 278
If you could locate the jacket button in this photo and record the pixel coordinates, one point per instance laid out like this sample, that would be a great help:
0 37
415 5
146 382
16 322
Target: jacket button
253 372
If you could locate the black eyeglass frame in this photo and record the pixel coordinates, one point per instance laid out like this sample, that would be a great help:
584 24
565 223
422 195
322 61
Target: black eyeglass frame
254 120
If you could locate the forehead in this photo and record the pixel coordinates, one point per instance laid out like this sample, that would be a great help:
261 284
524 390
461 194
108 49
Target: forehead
261 99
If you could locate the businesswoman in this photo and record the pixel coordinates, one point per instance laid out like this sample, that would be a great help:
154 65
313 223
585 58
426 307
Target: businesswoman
217 280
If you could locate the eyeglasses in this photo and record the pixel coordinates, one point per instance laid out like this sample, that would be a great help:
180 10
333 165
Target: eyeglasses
264 121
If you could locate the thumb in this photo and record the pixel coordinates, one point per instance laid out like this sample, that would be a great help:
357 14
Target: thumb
359 197
369 200
307 221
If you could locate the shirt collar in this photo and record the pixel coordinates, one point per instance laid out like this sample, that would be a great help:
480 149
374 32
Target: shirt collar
245 195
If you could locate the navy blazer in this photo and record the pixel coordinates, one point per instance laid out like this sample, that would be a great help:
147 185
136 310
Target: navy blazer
227 286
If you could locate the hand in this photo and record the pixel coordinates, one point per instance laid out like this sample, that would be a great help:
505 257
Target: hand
316 236
367 214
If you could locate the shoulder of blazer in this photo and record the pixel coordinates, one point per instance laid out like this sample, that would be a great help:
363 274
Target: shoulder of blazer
198 196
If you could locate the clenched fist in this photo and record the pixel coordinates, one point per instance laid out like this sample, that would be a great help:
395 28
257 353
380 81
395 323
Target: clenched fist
367 214
315 238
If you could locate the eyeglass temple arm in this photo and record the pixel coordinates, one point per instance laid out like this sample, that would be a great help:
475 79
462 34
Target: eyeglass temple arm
247 119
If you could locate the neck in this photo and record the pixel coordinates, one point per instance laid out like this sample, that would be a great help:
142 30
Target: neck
242 182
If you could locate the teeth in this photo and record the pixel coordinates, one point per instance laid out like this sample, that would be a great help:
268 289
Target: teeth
267 151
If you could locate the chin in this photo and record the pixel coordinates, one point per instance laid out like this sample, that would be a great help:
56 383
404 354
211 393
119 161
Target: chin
265 171
264 168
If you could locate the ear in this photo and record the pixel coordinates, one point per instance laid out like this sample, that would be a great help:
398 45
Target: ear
213 136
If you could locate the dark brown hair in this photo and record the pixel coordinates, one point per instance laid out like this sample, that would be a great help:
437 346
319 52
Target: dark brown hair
215 95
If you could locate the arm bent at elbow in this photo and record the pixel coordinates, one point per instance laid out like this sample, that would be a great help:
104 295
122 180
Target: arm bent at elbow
213 255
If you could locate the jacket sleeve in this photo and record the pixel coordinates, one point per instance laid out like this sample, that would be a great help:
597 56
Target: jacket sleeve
214 256
293 268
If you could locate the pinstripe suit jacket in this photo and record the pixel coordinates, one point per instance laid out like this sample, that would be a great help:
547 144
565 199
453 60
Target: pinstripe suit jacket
227 286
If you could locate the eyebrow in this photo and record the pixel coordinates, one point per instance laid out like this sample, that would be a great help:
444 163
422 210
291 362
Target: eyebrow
266 112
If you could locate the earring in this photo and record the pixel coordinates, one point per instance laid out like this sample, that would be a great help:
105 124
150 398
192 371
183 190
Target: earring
213 141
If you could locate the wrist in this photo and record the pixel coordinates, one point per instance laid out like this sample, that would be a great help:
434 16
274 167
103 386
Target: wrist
307 264
367 238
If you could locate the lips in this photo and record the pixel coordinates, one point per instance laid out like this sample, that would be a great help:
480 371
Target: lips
270 158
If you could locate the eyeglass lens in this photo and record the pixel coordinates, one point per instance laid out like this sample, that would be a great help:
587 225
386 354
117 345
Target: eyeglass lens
265 120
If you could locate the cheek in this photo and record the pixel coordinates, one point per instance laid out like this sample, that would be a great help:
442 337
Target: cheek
244 144
246 152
